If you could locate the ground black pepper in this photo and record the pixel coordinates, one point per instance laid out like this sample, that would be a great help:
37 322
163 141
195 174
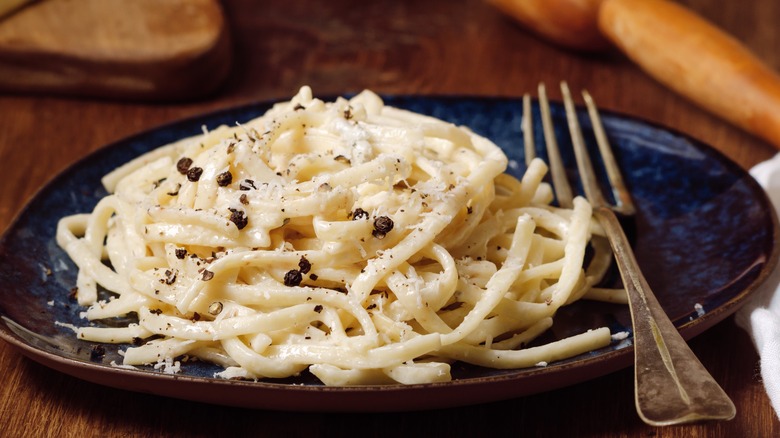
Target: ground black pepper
342 159
239 218
96 353
194 174
225 178
382 226
183 165
359 213
181 253
207 275
305 265
293 278
170 277
175 191
247 184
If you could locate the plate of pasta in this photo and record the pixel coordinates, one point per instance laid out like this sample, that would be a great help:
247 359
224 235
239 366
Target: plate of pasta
363 254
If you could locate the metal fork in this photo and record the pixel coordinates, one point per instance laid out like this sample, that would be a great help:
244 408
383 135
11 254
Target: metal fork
671 385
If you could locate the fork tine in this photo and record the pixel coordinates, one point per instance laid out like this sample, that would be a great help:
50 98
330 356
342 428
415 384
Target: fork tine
527 125
584 164
560 181
623 201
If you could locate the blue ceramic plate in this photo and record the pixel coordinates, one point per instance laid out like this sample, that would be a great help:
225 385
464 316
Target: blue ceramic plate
704 235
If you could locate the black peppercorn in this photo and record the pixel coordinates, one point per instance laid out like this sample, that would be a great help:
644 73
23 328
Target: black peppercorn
382 226
359 213
183 165
225 178
305 265
293 278
239 218
194 173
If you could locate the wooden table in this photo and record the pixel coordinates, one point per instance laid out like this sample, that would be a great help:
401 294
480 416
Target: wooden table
398 46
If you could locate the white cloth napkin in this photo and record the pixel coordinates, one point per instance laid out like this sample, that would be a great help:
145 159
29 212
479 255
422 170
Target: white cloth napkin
760 316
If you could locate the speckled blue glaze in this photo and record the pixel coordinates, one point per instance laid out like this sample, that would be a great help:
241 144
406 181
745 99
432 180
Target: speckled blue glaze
704 231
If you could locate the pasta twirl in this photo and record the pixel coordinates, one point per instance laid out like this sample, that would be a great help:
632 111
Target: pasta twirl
362 242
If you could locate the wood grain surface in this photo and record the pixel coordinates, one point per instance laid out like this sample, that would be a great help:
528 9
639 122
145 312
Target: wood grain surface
140 50
430 47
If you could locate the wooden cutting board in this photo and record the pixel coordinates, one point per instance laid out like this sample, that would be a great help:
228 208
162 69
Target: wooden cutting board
126 49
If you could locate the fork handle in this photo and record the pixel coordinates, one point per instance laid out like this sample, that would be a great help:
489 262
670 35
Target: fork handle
701 62
671 386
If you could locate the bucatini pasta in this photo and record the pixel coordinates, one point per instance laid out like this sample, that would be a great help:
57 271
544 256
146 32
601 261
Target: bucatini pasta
365 243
